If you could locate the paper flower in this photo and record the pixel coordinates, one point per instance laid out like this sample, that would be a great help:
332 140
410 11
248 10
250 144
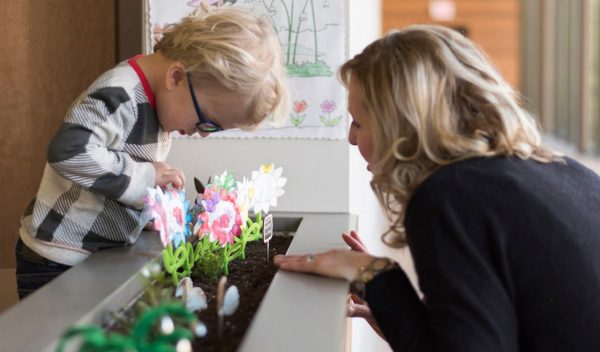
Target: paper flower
193 218
194 297
168 209
267 184
156 213
231 300
221 220
225 181
221 212
245 197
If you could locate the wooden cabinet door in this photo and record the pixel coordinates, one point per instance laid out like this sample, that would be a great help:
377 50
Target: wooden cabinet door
51 51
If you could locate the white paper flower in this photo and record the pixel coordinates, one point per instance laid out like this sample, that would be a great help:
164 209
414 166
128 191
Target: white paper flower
231 301
245 197
268 186
194 297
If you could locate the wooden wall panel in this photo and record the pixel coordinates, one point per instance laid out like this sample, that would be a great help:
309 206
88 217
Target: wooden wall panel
51 51
493 24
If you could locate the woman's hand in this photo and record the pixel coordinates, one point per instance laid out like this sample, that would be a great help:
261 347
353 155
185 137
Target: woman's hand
354 241
358 308
166 174
338 263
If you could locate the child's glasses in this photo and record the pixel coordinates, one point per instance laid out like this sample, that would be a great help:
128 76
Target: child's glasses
203 124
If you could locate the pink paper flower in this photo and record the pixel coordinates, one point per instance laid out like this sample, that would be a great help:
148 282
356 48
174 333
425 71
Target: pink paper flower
178 214
221 220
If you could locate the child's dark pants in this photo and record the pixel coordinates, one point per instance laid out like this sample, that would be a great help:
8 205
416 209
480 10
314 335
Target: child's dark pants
33 270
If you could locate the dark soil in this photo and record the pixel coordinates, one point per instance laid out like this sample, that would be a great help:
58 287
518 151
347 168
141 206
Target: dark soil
252 277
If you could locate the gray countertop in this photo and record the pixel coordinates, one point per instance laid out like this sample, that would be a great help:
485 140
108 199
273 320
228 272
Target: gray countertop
299 312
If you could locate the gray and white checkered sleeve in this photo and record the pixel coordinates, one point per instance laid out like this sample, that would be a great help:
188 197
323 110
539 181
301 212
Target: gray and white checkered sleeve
88 148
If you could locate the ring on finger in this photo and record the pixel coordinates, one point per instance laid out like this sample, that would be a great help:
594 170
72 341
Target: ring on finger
311 257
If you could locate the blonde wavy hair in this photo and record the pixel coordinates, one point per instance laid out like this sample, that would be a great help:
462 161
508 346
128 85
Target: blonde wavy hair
236 49
434 98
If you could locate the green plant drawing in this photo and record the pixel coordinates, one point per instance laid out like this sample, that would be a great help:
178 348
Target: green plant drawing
300 21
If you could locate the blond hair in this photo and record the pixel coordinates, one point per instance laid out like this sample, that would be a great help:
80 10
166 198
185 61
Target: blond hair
236 49
434 98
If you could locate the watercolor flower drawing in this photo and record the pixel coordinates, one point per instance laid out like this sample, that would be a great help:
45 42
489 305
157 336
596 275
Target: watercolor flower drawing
328 107
268 186
299 107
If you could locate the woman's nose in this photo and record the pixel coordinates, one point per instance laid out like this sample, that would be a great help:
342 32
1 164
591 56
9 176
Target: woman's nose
351 136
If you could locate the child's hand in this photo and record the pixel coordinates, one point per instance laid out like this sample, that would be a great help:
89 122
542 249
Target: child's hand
166 174
151 226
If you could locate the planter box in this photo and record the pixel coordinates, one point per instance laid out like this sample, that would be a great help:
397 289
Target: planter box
298 313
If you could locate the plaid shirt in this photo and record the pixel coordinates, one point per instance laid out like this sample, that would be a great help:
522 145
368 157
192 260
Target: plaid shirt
99 167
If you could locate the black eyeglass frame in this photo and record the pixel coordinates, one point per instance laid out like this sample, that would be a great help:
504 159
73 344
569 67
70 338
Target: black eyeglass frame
203 124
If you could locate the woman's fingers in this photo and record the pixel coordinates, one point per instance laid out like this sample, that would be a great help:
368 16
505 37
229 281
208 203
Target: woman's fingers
354 242
338 263
354 235
299 263
359 311
357 307
356 299
281 259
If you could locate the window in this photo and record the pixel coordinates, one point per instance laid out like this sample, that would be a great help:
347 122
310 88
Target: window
594 84
561 70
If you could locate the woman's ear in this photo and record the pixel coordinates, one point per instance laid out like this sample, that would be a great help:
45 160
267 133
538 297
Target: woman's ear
175 75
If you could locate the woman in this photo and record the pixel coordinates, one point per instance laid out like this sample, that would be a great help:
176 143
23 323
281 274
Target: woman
504 233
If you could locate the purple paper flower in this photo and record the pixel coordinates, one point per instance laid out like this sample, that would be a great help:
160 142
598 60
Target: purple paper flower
328 106
210 202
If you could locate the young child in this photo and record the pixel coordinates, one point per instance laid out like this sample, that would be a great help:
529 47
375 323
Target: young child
504 234
213 71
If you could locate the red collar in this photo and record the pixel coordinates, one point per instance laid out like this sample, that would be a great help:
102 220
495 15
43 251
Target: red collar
147 89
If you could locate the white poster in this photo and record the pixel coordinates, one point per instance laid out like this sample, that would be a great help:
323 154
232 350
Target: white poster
312 36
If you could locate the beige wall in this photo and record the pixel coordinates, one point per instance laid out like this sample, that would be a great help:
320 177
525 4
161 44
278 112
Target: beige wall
50 51
493 24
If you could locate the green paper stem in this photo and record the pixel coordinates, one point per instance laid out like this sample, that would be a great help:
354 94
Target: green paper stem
144 337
